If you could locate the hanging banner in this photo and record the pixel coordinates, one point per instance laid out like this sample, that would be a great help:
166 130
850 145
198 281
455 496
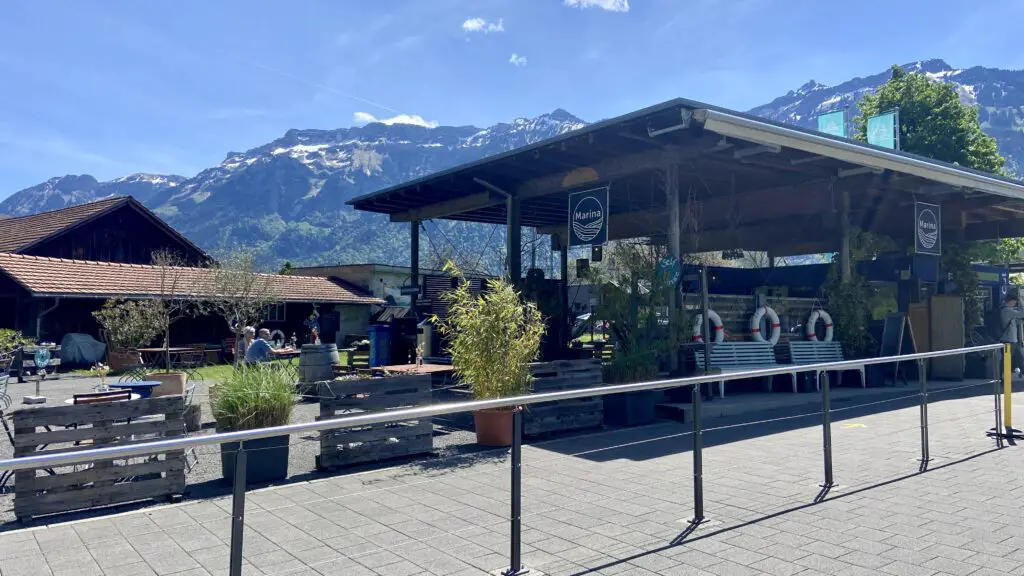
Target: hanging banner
884 130
833 123
927 229
588 217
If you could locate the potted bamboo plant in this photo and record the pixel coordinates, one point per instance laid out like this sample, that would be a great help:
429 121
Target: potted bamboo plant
250 397
129 324
492 339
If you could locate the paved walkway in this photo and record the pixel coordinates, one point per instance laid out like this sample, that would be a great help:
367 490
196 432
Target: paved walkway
611 503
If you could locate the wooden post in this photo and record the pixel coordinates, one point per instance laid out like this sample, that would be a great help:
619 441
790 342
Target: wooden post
844 234
672 193
414 260
514 241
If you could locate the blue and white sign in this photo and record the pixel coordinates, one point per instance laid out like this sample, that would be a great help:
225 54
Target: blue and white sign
883 130
927 229
833 123
588 217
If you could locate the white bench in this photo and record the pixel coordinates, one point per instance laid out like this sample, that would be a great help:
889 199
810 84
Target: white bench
731 357
813 352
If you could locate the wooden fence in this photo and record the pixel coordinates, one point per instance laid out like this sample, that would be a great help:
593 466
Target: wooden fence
54 429
347 446
565 415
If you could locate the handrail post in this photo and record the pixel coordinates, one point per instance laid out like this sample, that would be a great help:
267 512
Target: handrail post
922 377
515 565
698 458
238 512
997 388
826 428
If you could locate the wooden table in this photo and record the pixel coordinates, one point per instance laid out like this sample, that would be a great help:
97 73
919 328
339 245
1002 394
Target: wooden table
439 374
154 357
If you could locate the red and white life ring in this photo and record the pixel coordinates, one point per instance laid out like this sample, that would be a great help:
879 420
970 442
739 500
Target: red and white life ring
716 327
812 321
773 323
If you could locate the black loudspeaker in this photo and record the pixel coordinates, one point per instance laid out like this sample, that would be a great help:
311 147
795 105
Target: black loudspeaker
556 242
582 267
597 253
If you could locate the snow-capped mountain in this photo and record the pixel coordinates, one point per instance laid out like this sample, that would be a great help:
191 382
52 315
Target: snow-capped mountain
64 191
999 95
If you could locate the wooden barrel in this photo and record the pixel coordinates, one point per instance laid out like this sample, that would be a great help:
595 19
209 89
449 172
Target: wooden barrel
315 362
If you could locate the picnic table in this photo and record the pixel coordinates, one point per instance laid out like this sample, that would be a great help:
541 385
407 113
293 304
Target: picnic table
154 357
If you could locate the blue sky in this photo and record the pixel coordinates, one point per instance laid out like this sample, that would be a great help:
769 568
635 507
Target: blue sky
110 87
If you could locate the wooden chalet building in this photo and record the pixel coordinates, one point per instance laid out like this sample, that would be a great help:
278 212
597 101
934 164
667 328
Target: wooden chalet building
57 267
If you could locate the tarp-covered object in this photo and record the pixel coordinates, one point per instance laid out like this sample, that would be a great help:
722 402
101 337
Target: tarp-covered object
81 349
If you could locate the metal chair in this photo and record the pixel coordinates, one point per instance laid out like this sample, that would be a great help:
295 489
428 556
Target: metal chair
190 362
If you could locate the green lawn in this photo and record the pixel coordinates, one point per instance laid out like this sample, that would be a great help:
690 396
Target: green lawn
215 372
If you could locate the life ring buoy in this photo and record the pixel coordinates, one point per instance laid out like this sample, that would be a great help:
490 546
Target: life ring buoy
277 336
716 326
773 323
812 321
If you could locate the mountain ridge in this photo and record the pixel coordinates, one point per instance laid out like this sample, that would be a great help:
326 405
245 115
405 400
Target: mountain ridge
286 198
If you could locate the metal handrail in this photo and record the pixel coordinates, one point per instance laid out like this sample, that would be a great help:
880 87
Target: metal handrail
54 460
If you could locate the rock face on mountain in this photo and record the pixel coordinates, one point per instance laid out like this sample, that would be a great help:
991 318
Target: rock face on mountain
999 95
286 199
64 191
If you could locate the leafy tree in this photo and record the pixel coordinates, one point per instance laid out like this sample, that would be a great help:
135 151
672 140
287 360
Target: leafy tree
933 121
131 323
240 294
285 269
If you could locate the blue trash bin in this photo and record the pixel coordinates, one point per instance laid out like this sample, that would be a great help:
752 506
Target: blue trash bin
380 345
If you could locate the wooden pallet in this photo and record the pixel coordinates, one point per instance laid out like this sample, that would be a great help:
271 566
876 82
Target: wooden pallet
565 415
55 429
347 446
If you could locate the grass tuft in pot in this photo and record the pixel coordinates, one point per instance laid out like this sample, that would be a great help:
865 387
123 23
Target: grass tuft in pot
253 396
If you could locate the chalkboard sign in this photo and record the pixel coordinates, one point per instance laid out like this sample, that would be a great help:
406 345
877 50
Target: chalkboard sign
898 339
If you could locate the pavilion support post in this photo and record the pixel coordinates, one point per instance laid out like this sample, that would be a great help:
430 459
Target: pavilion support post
844 235
771 259
414 260
514 240
674 247
563 260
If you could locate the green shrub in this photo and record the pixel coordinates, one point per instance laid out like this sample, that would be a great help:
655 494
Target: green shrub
252 396
130 323
492 337
11 340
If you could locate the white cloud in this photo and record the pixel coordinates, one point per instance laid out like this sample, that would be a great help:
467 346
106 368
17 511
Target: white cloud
517 60
363 118
481 25
609 5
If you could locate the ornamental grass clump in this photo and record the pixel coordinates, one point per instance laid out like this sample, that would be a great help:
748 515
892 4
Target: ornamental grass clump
252 396
493 337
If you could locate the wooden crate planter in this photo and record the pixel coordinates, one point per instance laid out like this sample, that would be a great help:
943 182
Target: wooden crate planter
564 415
107 482
347 446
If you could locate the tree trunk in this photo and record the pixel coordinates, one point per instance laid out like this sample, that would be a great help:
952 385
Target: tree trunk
167 347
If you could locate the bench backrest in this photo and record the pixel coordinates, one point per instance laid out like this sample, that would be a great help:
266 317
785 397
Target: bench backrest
811 352
738 355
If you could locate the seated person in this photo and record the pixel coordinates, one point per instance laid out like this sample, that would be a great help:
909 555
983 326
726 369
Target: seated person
260 349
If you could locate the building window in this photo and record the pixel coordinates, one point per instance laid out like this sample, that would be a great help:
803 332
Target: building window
275 313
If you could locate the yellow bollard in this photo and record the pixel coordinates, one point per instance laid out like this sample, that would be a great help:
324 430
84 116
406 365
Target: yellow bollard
1007 388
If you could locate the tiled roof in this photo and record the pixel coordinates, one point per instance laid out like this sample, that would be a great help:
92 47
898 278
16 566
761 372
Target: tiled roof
23 231
86 279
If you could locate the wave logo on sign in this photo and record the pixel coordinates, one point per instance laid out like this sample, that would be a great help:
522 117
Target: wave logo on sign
587 218
927 228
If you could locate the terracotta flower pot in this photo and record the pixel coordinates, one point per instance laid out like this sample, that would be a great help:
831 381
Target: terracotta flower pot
493 427
120 360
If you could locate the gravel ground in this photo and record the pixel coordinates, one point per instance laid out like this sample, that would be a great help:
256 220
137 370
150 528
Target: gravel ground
453 436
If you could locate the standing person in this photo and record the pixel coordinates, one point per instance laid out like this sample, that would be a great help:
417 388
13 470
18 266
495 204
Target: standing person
1010 316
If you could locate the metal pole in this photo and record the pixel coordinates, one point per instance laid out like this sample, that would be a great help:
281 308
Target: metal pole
698 459
997 371
698 409
826 428
238 512
515 565
923 380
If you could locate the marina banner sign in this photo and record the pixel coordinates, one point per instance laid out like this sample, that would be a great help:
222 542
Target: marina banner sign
588 217
927 229
833 123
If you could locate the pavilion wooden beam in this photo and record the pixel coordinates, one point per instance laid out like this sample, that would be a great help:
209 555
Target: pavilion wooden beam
600 172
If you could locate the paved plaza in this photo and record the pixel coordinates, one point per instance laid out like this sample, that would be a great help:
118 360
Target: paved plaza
606 503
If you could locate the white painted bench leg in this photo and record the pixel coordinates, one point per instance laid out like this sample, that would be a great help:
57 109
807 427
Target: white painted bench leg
721 388
793 376
863 380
